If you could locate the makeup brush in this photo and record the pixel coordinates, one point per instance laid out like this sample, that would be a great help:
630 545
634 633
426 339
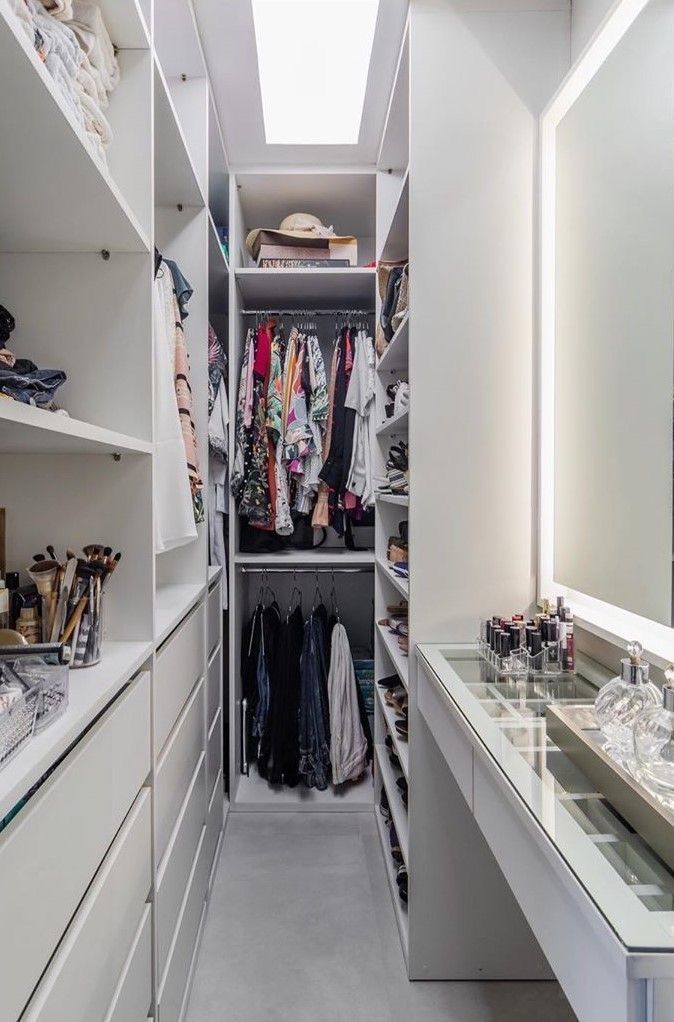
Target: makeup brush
52 553
39 557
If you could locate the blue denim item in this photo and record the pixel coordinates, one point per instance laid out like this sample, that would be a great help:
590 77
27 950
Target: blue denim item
314 709
36 388
263 693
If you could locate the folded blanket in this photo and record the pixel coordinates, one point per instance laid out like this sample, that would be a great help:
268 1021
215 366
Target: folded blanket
61 9
95 121
90 80
87 23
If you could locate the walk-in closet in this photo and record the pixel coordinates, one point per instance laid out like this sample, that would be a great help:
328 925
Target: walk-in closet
340 333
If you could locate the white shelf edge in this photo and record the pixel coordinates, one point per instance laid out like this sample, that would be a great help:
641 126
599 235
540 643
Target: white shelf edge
39 421
172 603
321 555
399 909
402 750
396 424
401 584
312 271
393 498
393 345
399 661
398 811
11 24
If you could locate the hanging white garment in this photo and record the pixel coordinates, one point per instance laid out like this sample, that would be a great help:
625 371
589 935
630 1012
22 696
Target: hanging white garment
360 397
218 433
348 746
173 508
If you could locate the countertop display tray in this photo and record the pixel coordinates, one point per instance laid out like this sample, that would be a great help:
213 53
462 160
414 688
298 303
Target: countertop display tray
574 730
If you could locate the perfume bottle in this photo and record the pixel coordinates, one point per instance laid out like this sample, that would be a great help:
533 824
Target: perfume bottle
654 744
619 703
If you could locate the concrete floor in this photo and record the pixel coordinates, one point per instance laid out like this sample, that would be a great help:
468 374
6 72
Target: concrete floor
301 929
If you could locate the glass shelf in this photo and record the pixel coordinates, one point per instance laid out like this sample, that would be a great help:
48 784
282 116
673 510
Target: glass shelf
627 881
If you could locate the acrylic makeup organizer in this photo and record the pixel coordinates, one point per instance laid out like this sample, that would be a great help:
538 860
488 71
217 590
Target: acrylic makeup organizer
520 662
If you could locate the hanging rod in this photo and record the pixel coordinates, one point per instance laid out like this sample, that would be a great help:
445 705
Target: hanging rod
307 312
306 571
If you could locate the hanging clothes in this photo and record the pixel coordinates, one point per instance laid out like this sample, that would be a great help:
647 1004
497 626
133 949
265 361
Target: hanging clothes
218 443
173 507
258 645
314 704
348 743
360 399
279 756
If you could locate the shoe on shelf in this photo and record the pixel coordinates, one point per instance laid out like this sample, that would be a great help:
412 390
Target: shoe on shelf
384 807
396 853
395 761
402 727
402 891
398 609
401 784
392 681
388 742
401 876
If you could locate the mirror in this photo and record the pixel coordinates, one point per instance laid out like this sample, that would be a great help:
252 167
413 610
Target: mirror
614 325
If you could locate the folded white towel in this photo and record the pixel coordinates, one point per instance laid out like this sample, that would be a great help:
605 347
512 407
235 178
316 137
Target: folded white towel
94 119
94 38
61 9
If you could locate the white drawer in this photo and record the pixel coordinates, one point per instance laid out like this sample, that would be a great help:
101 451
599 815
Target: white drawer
63 833
173 988
214 822
180 661
175 871
214 616
176 767
443 720
133 997
81 979
214 686
214 752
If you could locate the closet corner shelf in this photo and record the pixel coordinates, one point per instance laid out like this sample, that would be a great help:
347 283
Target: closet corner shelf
176 180
399 908
91 213
218 272
394 498
395 425
398 811
401 584
399 661
172 603
396 241
91 690
396 355
284 288
25 429
321 556
390 716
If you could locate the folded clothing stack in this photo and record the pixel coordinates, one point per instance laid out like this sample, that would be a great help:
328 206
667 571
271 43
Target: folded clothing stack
20 379
71 38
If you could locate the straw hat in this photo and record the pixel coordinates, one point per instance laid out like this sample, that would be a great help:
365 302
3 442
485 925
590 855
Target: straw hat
298 226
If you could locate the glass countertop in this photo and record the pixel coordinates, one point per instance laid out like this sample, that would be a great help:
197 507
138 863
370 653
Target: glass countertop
630 885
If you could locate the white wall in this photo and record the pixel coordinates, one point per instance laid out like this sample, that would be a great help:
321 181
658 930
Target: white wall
586 16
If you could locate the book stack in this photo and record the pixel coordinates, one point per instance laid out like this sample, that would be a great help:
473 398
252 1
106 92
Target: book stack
274 251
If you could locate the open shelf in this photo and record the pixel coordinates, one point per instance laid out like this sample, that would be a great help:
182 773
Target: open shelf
396 237
91 690
305 288
398 811
401 584
25 429
402 749
172 602
393 498
395 425
399 908
125 23
177 40
398 659
321 556
89 213
176 181
218 273
255 794
394 150
396 355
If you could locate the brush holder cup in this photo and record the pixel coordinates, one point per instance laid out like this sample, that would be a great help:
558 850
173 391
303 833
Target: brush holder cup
87 637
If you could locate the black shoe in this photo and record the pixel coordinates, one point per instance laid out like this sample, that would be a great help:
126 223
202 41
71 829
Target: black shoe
402 729
401 876
391 682
402 784
395 761
384 807
388 742
402 892
396 853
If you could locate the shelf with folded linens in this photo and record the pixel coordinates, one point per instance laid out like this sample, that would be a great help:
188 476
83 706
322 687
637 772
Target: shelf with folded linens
93 212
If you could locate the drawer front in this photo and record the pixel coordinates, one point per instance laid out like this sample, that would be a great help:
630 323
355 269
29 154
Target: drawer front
442 719
176 767
81 980
216 814
214 616
172 990
64 832
180 661
214 753
175 872
133 997
214 692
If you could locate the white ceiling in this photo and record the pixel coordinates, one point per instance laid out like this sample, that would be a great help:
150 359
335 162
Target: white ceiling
228 38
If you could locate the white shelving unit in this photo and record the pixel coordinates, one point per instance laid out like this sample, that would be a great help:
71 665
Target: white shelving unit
77 243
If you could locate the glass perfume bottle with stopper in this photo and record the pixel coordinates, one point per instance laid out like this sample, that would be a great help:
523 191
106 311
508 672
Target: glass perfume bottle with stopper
654 744
620 702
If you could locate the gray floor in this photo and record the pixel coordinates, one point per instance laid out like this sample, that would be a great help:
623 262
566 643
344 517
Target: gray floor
301 929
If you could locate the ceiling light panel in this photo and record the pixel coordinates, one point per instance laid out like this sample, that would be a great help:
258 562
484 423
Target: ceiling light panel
313 58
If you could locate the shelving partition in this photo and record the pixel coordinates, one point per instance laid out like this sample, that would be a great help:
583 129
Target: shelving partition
76 270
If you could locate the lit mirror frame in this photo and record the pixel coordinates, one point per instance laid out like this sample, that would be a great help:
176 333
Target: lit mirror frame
603 619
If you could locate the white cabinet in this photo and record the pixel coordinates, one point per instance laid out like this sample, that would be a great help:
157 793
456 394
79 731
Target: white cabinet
133 997
176 768
180 662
